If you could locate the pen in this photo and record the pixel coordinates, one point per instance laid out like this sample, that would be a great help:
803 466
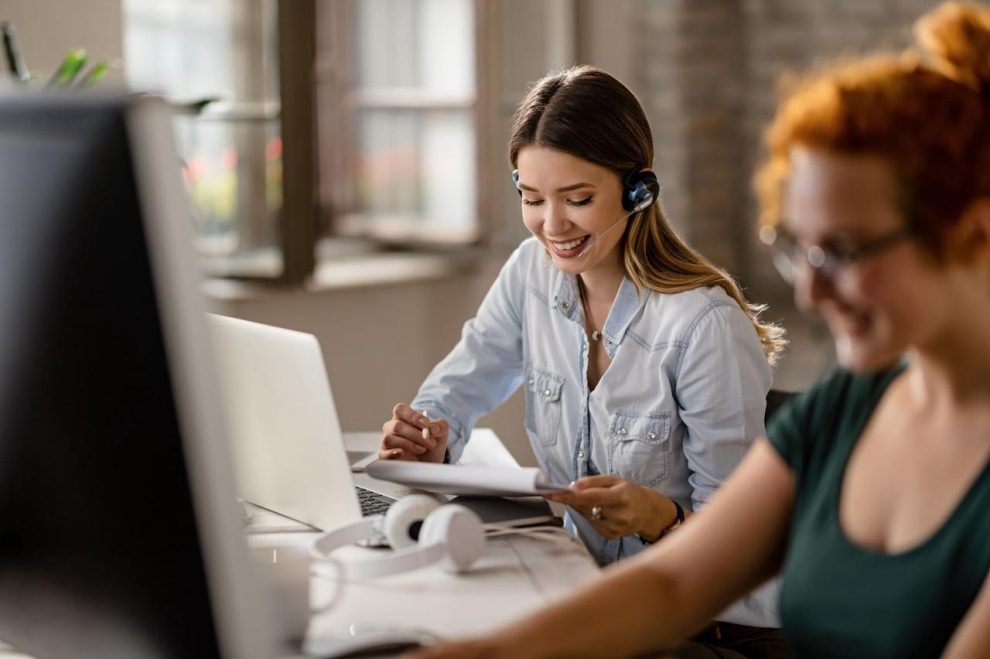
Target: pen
426 430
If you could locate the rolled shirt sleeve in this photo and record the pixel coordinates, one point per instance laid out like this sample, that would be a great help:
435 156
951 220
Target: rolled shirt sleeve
486 365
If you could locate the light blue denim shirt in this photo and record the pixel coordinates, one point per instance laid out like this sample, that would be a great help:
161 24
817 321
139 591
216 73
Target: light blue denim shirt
676 410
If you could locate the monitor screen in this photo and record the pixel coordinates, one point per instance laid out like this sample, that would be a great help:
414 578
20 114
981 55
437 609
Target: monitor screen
105 513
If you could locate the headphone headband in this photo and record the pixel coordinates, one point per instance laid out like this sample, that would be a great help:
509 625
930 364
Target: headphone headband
421 530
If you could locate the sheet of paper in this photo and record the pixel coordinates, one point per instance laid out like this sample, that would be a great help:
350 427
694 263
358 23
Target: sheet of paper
465 480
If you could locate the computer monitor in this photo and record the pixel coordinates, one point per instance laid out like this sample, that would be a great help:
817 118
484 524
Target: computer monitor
119 532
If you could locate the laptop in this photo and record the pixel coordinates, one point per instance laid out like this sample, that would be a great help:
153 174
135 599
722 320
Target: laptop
286 443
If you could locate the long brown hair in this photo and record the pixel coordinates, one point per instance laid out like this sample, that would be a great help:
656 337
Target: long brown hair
589 114
925 112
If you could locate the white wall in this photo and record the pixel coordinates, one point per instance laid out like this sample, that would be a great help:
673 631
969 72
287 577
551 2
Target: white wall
48 29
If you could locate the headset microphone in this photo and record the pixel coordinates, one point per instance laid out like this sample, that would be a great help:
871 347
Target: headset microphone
597 237
639 190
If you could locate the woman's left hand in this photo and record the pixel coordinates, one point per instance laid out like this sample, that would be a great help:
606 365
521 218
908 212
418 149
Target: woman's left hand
617 507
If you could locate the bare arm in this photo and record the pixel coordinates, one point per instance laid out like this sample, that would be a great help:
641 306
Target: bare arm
972 637
671 590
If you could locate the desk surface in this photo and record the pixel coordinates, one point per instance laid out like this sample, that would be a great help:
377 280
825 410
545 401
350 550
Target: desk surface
515 575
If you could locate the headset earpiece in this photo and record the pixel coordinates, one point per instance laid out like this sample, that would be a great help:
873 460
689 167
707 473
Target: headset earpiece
640 189
515 181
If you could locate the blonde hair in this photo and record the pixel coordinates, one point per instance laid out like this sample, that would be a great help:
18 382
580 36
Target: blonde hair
924 112
587 113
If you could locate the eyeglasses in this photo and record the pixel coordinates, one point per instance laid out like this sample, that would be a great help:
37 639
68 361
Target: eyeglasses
789 255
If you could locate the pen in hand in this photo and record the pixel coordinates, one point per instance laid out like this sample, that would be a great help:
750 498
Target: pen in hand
426 432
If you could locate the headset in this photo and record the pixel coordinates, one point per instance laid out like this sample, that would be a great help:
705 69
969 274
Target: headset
421 529
640 188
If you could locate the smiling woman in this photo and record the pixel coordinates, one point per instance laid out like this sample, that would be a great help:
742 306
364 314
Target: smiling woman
645 371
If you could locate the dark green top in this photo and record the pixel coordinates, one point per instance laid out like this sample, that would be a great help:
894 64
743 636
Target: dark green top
839 599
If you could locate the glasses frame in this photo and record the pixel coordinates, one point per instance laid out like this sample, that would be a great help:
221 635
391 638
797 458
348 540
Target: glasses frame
789 255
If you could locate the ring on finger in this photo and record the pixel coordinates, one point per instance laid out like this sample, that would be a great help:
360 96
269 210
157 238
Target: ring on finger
596 513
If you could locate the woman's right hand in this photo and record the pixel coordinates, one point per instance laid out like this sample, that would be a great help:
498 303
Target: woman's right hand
410 435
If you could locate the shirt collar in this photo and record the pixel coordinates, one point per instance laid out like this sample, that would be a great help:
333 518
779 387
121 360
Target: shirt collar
566 300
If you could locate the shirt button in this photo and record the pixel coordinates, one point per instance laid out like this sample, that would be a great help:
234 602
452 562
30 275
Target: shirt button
565 305
622 431
581 455
652 435
531 380
610 342
546 392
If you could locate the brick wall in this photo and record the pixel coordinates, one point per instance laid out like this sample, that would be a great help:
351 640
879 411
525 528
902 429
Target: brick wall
707 73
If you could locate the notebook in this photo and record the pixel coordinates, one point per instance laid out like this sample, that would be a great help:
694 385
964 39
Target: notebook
286 442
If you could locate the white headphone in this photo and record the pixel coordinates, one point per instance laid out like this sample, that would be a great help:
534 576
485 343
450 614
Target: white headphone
420 529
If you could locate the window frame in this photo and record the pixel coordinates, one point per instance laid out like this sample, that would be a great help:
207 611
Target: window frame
336 98
296 61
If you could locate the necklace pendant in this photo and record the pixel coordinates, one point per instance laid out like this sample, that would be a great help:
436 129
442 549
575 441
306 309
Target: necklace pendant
596 335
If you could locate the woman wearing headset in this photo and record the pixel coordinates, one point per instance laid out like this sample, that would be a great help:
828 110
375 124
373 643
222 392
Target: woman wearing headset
645 370
872 494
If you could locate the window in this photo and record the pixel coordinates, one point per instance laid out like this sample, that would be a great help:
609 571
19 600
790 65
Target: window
219 62
397 95
327 118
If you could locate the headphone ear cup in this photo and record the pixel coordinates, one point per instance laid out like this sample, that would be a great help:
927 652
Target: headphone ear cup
515 181
652 185
640 190
460 531
405 518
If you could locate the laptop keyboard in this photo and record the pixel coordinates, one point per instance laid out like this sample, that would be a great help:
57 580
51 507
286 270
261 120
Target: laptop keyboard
372 503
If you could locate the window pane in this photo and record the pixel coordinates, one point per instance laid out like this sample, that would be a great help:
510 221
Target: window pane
222 165
409 128
225 50
422 44
417 163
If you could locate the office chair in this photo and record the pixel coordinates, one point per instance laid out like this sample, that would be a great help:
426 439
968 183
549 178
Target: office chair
775 400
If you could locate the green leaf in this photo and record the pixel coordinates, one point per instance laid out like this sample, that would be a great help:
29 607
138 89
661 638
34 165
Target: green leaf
69 69
95 72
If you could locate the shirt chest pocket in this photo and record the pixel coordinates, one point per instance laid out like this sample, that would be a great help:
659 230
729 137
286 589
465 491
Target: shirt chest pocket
543 405
637 446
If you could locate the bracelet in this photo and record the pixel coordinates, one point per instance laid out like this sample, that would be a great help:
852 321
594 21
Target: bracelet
678 520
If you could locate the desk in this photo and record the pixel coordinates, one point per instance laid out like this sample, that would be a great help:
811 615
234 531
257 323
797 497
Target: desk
516 574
